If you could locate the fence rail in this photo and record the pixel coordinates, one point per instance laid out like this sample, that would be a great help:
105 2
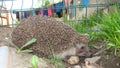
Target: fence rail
73 12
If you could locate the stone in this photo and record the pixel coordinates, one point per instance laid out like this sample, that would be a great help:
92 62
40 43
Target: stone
73 60
4 56
77 66
93 59
91 65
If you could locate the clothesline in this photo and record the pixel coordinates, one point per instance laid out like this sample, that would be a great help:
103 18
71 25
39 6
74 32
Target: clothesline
24 4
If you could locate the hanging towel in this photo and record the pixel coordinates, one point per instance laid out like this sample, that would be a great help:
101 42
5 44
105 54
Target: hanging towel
40 12
49 11
85 3
45 12
25 14
67 2
59 7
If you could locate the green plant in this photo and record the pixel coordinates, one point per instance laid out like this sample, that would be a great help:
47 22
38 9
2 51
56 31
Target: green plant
57 62
108 25
110 29
21 49
34 61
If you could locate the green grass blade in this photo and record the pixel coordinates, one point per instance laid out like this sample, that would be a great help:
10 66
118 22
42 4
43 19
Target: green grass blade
35 61
27 51
12 44
29 43
118 31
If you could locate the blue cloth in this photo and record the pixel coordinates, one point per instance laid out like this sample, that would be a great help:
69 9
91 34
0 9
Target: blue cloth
59 7
45 12
25 14
85 3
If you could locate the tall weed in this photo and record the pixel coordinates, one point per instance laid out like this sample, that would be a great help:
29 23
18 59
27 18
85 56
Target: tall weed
110 27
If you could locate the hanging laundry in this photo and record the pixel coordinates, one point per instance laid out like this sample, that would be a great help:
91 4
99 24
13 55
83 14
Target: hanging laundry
53 8
37 12
58 8
85 3
50 10
68 7
22 14
45 12
25 14
17 14
40 12
67 2
33 12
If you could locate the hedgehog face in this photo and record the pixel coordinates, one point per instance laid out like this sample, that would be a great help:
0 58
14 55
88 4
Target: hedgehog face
82 50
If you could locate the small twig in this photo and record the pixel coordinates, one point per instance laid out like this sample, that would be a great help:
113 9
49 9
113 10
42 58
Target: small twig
101 51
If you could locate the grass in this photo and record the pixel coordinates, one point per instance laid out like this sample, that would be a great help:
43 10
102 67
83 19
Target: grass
110 29
34 61
108 25
57 62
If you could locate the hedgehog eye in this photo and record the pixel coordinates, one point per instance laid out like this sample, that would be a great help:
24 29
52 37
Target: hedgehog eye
82 47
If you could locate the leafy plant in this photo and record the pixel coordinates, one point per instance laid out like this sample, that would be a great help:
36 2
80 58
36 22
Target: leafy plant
34 61
21 49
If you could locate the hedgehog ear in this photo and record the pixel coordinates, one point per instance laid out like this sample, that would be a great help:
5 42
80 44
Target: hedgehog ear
76 44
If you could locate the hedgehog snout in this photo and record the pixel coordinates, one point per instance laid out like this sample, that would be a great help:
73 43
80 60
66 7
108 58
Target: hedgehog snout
82 50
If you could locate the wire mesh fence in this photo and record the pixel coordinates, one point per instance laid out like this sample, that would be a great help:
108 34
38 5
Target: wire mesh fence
12 11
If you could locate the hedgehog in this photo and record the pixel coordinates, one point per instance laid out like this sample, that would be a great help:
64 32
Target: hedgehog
53 37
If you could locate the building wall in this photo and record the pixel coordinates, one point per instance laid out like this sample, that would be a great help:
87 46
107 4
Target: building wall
89 10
